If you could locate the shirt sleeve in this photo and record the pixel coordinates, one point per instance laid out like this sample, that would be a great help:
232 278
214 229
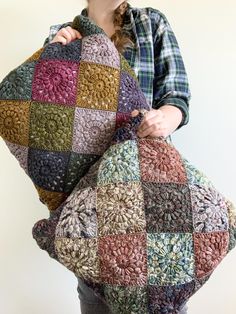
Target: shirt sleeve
171 84
53 31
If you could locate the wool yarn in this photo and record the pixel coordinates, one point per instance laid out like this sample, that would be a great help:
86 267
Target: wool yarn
144 228
133 218
60 108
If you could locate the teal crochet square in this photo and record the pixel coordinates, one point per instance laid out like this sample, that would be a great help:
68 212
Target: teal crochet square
119 163
170 258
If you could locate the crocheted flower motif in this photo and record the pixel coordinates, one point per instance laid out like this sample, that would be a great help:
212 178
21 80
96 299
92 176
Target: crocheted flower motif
78 217
209 209
131 96
17 84
93 130
119 164
55 82
123 299
167 207
48 169
169 299
79 256
70 51
51 127
14 121
98 86
160 162
100 49
131 217
210 248
120 208
170 258
123 259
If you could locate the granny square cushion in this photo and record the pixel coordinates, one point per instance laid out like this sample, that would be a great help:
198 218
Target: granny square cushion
131 217
144 228
60 108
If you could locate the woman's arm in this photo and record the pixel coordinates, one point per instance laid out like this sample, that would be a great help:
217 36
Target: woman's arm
171 86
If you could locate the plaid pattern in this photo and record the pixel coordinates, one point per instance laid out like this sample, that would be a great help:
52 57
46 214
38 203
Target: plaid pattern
156 58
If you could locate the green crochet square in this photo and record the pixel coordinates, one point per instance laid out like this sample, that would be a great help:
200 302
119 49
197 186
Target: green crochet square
51 127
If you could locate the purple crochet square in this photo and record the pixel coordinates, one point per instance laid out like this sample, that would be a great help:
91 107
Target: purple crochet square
209 209
100 49
55 82
48 169
131 96
93 130
169 299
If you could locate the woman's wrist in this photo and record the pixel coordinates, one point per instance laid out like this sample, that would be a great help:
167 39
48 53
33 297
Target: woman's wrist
173 114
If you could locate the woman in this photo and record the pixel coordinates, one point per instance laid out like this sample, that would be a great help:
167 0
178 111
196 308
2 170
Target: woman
145 38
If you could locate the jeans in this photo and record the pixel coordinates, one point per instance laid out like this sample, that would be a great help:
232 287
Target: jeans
91 304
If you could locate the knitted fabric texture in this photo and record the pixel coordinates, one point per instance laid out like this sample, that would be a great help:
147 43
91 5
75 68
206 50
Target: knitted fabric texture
60 108
144 228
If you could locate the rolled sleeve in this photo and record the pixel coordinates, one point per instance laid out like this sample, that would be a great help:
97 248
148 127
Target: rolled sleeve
171 84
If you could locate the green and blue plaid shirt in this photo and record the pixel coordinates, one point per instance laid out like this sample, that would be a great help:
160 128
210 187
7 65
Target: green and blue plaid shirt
155 58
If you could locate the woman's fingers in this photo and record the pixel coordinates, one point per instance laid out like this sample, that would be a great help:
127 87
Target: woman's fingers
148 122
134 113
73 32
151 122
149 130
66 35
60 39
152 116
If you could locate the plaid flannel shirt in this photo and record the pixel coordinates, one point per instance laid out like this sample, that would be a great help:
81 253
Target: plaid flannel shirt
155 58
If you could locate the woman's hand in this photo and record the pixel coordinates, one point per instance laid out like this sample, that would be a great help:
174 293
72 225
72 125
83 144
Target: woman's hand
159 122
65 35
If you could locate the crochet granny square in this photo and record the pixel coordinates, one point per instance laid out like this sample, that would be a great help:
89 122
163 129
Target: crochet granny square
144 228
60 108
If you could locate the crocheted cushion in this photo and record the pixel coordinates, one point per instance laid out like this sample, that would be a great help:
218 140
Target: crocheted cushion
60 108
144 228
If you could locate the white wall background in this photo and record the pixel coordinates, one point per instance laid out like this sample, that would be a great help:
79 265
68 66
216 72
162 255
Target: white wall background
30 281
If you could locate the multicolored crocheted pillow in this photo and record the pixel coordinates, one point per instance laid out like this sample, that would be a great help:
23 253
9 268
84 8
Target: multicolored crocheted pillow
60 108
144 228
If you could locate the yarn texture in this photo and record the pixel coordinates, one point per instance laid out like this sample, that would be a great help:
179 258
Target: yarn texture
130 216
144 228
60 108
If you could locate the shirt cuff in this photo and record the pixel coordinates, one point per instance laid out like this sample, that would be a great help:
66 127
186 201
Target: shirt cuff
177 102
